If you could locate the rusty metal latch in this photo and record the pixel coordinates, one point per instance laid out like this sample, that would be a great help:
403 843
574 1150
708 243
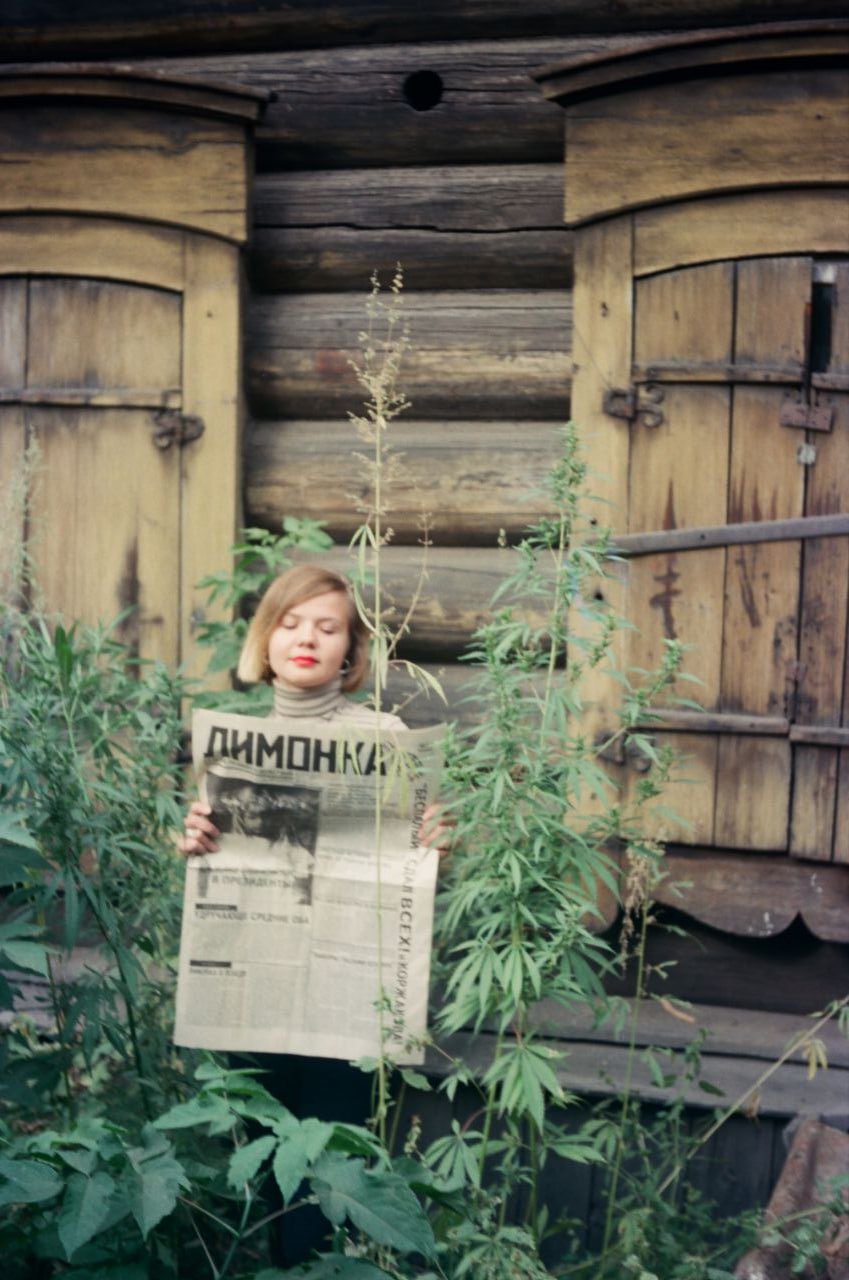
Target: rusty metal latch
636 404
806 416
173 427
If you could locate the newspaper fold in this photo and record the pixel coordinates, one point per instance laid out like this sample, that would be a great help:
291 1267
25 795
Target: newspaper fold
304 933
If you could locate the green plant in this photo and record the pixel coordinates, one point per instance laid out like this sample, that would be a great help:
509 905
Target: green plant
90 794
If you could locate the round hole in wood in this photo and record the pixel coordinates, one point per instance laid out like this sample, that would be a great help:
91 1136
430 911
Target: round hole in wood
423 90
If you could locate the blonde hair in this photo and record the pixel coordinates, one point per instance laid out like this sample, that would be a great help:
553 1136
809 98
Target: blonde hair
293 587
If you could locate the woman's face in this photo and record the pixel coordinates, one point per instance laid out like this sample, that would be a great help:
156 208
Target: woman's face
310 642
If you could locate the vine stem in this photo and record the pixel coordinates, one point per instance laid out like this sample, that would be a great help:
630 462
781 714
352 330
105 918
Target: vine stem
626 1092
793 1047
382 1104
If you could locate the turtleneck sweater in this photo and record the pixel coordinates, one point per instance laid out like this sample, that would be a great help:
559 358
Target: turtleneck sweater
328 702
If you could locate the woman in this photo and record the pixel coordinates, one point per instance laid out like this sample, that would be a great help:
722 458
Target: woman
309 642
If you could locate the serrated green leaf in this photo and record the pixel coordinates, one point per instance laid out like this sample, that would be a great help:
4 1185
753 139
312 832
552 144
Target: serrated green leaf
247 1160
202 1110
28 1181
416 1080
85 1209
376 1201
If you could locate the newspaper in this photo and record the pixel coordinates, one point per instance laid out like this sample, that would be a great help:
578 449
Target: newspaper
284 928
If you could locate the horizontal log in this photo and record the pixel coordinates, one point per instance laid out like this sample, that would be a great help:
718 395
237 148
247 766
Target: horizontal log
467 226
595 1070
745 1033
474 197
757 895
350 107
472 478
305 259
498 355
172 27
455 599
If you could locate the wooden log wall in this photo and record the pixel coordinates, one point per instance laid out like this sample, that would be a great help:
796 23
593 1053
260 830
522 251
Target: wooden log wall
383 144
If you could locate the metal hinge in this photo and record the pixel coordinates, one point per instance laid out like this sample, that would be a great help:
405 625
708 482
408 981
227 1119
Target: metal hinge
636 404
173 427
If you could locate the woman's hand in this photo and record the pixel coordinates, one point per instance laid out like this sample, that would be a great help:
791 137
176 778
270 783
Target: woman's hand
201 833
436 830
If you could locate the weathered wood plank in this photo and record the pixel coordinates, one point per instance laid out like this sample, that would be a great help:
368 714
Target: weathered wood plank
106 507
210 466
822 631
603 310
471 478
474 355
474 197
101 247
766 481
466 226
772 294
601 1069
305 24
181 169
760 628
741 226
679 470
752 793
85 334
679 597
814 797
745 1033
347 107
13 311
339 258
647 146
685 316
756 895
685 56
12 529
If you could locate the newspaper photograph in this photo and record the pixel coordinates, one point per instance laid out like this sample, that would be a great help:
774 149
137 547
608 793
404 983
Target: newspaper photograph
303 923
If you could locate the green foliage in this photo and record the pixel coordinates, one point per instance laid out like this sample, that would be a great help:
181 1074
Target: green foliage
90 794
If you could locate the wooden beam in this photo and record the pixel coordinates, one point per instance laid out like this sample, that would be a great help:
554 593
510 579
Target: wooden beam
757 895
305 259
471 478
463 226
161 26
474 355
600 1070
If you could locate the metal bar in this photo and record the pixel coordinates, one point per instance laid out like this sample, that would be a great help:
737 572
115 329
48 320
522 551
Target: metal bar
822 735
673 371
81 397
686 721
730 535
